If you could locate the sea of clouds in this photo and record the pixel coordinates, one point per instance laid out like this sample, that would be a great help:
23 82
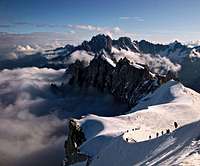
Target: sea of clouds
25 137
33 120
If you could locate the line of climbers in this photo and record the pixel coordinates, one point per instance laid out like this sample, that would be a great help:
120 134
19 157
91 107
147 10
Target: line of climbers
157 134
167 131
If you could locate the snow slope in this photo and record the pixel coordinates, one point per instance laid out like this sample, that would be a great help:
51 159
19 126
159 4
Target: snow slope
124 140
172 149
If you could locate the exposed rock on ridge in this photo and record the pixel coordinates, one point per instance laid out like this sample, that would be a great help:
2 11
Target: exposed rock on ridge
75 138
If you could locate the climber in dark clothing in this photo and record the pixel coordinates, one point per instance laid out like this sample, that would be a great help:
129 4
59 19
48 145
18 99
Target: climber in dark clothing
168 131
175 125
157 134
149 137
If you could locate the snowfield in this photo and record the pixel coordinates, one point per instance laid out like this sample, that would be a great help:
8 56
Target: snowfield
140 138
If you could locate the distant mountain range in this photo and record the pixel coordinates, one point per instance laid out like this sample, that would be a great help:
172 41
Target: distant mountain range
183 60
174 51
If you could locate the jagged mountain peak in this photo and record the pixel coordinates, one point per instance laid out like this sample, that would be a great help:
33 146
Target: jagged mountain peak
125 43
160 58
98 43
100 37
102 42
177 44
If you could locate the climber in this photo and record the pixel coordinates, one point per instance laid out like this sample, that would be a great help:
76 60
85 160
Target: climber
175 125
149 137
168 131
157 134
162 132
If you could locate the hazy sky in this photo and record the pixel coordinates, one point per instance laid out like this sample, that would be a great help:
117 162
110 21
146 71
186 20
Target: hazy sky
157 20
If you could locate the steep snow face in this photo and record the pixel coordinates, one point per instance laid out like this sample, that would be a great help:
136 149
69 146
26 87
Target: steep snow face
124 140
176 148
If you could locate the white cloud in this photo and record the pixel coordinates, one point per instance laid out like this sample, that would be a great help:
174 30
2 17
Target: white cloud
26 48
116 29
24 136
124 18
138 19
88 27
80 55
16 45
18 51
72 31
193 43
111 31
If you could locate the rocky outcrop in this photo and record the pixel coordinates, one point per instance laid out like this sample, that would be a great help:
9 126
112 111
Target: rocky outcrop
150 48
126 82
75 138
124 43
97 44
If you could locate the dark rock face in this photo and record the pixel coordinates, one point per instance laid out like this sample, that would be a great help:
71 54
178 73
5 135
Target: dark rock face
127 82
197 48
94 75
67 49
97 44
124 43
100 42
150 48
75 139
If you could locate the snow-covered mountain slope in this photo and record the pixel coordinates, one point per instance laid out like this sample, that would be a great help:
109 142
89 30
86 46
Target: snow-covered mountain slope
176 148
124 140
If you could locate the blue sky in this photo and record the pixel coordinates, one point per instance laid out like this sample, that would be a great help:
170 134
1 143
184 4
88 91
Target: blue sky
156 20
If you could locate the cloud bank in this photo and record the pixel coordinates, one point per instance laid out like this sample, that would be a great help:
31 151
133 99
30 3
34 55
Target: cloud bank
111 31
25 136
80 55
33 120
157 64
13 45
138 19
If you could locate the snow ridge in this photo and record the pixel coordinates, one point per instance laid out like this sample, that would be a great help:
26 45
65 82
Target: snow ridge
125 140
